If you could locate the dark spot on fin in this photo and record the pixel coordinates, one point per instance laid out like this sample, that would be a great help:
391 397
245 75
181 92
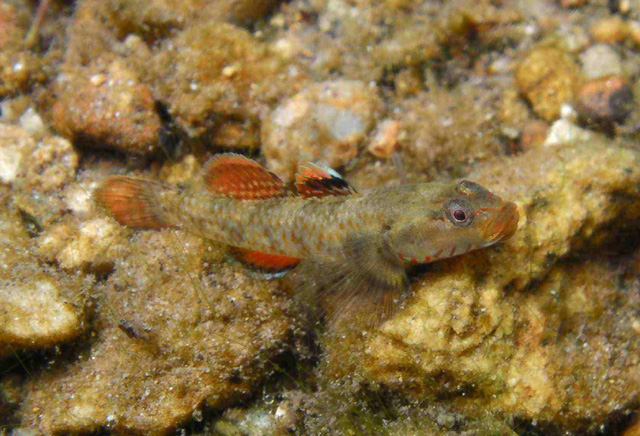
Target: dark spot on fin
235 176
131 201
265 262
317 180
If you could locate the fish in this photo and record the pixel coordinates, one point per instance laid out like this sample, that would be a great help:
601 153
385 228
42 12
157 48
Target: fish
354 246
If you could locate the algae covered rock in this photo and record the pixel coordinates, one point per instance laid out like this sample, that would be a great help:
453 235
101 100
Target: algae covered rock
106 106
175 332
20 69
548 77
215 71
40 306
473 330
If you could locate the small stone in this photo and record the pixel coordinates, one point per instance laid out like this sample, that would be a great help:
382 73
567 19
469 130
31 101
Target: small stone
610 30
634 31
385 140
567 112
15 144
606 101
575 39
106 106
32 123
600 60
534 134
52 164
563 131
548 77
77 198
324 123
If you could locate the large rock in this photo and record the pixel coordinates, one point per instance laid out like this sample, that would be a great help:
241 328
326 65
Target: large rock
213 73
484 326
176 329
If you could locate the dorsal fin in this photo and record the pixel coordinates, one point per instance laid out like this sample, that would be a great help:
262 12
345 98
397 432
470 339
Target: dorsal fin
233 175
264 262
317 180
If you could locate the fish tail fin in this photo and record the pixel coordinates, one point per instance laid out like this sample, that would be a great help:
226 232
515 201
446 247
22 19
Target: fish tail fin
132 202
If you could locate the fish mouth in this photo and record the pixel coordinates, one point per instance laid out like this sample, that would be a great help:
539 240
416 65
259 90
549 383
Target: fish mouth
503 225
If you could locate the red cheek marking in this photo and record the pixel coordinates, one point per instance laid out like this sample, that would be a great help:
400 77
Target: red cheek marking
427 259
414 261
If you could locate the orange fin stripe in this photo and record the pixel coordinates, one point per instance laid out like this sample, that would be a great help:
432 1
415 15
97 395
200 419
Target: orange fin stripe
265 261
131 202
317 180
235 176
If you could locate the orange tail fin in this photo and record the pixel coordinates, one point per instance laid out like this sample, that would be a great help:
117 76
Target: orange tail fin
132 202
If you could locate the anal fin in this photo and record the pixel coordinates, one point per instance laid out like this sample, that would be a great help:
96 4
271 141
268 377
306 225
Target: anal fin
265 262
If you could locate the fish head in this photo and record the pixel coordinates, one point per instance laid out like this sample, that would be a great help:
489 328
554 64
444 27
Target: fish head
450 220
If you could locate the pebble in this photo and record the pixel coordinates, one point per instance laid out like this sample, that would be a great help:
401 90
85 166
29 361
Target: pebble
563 131
15 144
105 105
32 123
603 102
35 315
385 140
600 60
548 77
610 30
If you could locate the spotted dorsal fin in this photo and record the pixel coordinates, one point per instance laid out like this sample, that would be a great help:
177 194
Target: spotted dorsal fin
317 180
265 262
233 175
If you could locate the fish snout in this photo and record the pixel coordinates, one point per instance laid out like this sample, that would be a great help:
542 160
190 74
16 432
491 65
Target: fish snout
503 225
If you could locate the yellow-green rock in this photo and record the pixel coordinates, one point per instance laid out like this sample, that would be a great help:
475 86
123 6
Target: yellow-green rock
548 77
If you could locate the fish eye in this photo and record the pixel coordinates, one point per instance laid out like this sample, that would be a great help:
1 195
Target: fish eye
459 212
459 215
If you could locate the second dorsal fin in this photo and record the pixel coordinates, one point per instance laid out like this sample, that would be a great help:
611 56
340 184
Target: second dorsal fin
233 175
317 180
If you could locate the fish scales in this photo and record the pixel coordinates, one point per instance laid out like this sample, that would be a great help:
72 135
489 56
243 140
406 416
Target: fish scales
289 226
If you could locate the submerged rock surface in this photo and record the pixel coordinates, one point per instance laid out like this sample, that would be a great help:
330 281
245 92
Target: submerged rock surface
104 329
174 334
530 327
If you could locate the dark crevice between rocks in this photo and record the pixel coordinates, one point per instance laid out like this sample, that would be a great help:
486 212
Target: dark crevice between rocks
615 425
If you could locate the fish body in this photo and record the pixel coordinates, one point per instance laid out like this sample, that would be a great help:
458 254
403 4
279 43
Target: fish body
358 242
